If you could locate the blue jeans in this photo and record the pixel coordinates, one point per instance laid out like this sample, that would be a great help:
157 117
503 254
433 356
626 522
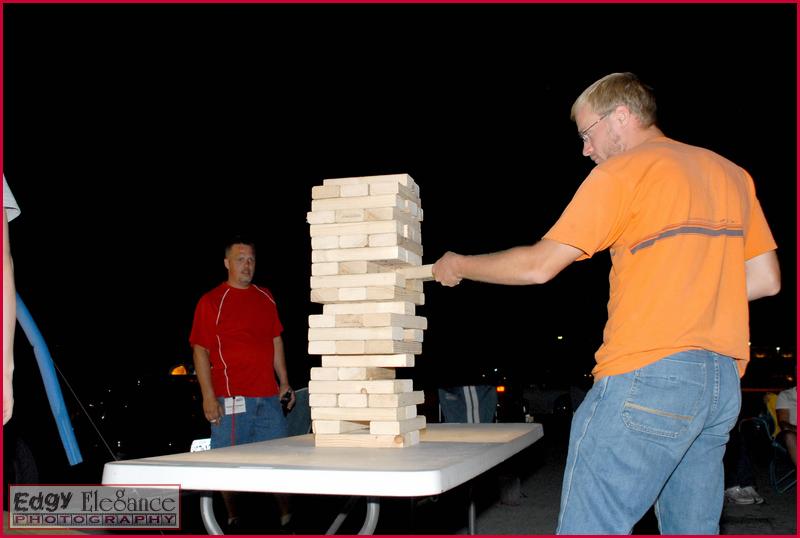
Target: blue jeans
654 435
262 420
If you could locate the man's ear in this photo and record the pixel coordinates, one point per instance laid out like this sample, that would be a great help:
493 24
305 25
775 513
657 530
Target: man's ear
621 115
227 265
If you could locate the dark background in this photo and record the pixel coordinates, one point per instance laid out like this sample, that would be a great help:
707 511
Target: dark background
138 137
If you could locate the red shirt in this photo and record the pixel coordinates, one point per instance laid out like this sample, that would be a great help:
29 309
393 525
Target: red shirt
238 327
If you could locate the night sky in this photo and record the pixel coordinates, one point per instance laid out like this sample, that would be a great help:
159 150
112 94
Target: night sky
137 138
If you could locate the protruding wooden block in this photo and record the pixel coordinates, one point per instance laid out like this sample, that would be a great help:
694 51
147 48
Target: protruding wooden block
396 400
363 413
337 426
396 427
382 386
403 179
370 361
360 280
366 440
326 191
395 254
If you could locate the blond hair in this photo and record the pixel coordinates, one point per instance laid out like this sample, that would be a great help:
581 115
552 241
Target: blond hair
617 89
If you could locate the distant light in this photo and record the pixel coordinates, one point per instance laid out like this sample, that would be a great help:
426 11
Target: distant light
501 388
778 348
495 369
179 370
560 337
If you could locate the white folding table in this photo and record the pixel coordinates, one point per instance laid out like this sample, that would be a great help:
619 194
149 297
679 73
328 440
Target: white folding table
448 455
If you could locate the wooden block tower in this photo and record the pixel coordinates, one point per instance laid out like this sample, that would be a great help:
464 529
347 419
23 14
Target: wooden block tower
366 257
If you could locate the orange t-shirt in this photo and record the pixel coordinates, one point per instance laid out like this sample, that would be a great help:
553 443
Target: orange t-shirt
680 222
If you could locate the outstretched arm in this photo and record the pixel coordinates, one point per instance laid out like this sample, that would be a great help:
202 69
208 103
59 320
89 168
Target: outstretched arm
534 264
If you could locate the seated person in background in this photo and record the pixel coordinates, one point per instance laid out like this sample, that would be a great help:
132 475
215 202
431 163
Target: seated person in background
786 411
739 479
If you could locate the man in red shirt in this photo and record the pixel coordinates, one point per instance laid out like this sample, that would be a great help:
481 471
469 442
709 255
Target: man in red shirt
238 353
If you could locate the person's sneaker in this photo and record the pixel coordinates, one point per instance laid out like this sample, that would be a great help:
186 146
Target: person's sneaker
738 495
750 490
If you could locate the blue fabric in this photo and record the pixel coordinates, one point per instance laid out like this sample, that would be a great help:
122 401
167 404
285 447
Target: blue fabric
51 385
469 403
262 420
654 435
299 418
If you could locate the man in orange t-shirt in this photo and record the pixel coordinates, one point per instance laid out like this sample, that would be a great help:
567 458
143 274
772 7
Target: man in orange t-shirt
689 246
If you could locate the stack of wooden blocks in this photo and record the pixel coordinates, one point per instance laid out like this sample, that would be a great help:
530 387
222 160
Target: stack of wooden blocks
366 257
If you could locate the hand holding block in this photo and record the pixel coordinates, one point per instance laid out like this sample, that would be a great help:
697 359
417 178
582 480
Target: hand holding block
420 272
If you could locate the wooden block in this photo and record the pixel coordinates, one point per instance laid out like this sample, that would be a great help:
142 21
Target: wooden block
403 179
363 413
351 347
368 294
373 227
387 347
342 216
396 400
353 240
422 272
325 242
351 400
411 208
394 307
357 333
414 285
363 347
348 191
362 202
358 267
324 400
390 320
390 240
321 321
411 335
396 427
369 361
393 188
359 280
321 217
325 374
366 440
337 426
384 386
393 254
365 374
327 191
325 295
322 348
324 269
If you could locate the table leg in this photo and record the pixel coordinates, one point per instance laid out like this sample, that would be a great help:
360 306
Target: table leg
371 521
471 512
343 513
207 513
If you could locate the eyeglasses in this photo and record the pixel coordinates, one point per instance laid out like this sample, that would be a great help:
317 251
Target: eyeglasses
584 135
